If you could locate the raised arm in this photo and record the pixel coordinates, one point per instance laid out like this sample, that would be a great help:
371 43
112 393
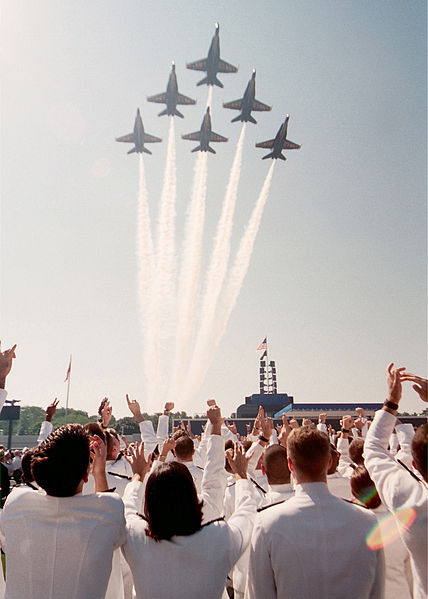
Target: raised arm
6 358
46 426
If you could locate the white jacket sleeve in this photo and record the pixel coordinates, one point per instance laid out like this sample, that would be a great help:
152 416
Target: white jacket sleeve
45 430
162 430
241 521
405 434
148 436
261 579
254 453
213 480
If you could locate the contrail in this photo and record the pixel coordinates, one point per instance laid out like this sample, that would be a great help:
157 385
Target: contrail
145 257
242 260
236 275
210 97
165 242
189 275
216 274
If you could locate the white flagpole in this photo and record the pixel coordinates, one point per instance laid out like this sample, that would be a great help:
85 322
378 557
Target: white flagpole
68 391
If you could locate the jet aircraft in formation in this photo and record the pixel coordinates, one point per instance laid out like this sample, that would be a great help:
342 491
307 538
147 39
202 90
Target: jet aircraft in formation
213 64
247 103
205 135
139 137
171 97
279 143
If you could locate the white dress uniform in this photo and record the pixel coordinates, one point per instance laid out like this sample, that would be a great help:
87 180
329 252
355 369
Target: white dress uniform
196 565
60 547
313 546
399 490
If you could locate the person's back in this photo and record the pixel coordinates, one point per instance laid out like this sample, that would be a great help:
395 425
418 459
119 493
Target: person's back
313 545
58 542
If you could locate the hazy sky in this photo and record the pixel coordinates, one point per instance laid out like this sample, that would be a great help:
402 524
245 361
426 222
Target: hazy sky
337 279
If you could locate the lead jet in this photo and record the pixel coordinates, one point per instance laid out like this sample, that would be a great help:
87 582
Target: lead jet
205 135
171 97
279 143
139 137
247 103
213 64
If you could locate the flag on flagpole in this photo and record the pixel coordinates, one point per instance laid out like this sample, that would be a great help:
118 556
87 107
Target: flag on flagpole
263 345
68 372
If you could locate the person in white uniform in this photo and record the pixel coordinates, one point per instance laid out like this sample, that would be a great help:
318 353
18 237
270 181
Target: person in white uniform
398 488
313 545
170 553
58 542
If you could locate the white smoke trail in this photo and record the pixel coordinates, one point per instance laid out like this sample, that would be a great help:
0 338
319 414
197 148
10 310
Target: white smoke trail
189 275
242 260
146 266
165 243
210 96
237 274
215 275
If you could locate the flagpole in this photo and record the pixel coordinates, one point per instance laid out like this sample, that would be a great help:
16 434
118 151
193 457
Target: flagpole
68 392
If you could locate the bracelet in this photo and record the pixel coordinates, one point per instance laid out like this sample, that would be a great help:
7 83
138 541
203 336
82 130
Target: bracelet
390 404
263 439
344 430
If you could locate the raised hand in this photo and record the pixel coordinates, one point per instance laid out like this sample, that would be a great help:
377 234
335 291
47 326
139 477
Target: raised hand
6 358
140 466
135 409
420 386
237 461
393 376
105 411
51 409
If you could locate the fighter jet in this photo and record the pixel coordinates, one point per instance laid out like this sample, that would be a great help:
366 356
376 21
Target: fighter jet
213 64
205 135
171 97
139 137
279 143
247 103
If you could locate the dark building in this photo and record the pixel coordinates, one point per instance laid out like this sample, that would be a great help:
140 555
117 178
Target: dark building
271 403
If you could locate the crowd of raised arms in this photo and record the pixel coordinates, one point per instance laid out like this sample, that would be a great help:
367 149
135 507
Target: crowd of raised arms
296 511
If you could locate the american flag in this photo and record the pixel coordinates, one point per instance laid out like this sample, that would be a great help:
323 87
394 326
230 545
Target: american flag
68 372
263 345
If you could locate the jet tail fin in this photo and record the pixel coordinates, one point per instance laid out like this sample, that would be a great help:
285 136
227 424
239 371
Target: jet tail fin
237 118
178 113
146 150
163 112
252 119
272 155
132 151
196 149
209 148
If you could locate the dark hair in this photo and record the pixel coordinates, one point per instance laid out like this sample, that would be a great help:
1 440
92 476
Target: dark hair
356 448
335 457
110 434
178 434
275 464
419 450
309 451
364 489
26 461
61 461
94 428
171 504
184 447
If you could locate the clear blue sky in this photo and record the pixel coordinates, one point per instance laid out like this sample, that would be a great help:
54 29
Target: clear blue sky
337 279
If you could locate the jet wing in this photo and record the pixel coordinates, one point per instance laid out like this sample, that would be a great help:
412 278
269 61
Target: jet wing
198 65
265 144
290 145
226 67
260 106
217 137
151 138
184 99
236 104
192 136
159 98
128 138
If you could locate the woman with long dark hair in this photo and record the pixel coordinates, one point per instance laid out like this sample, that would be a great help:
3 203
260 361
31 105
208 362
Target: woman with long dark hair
169 551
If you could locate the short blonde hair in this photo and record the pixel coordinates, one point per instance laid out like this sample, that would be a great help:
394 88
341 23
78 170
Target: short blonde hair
309 451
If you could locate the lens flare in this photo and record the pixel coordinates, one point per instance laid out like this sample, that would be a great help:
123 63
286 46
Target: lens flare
389 528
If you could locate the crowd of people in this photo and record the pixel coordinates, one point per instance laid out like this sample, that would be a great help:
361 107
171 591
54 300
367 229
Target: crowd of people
293 512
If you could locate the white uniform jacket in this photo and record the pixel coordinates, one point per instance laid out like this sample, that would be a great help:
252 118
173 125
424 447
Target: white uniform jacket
399 491
60 547
313 546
